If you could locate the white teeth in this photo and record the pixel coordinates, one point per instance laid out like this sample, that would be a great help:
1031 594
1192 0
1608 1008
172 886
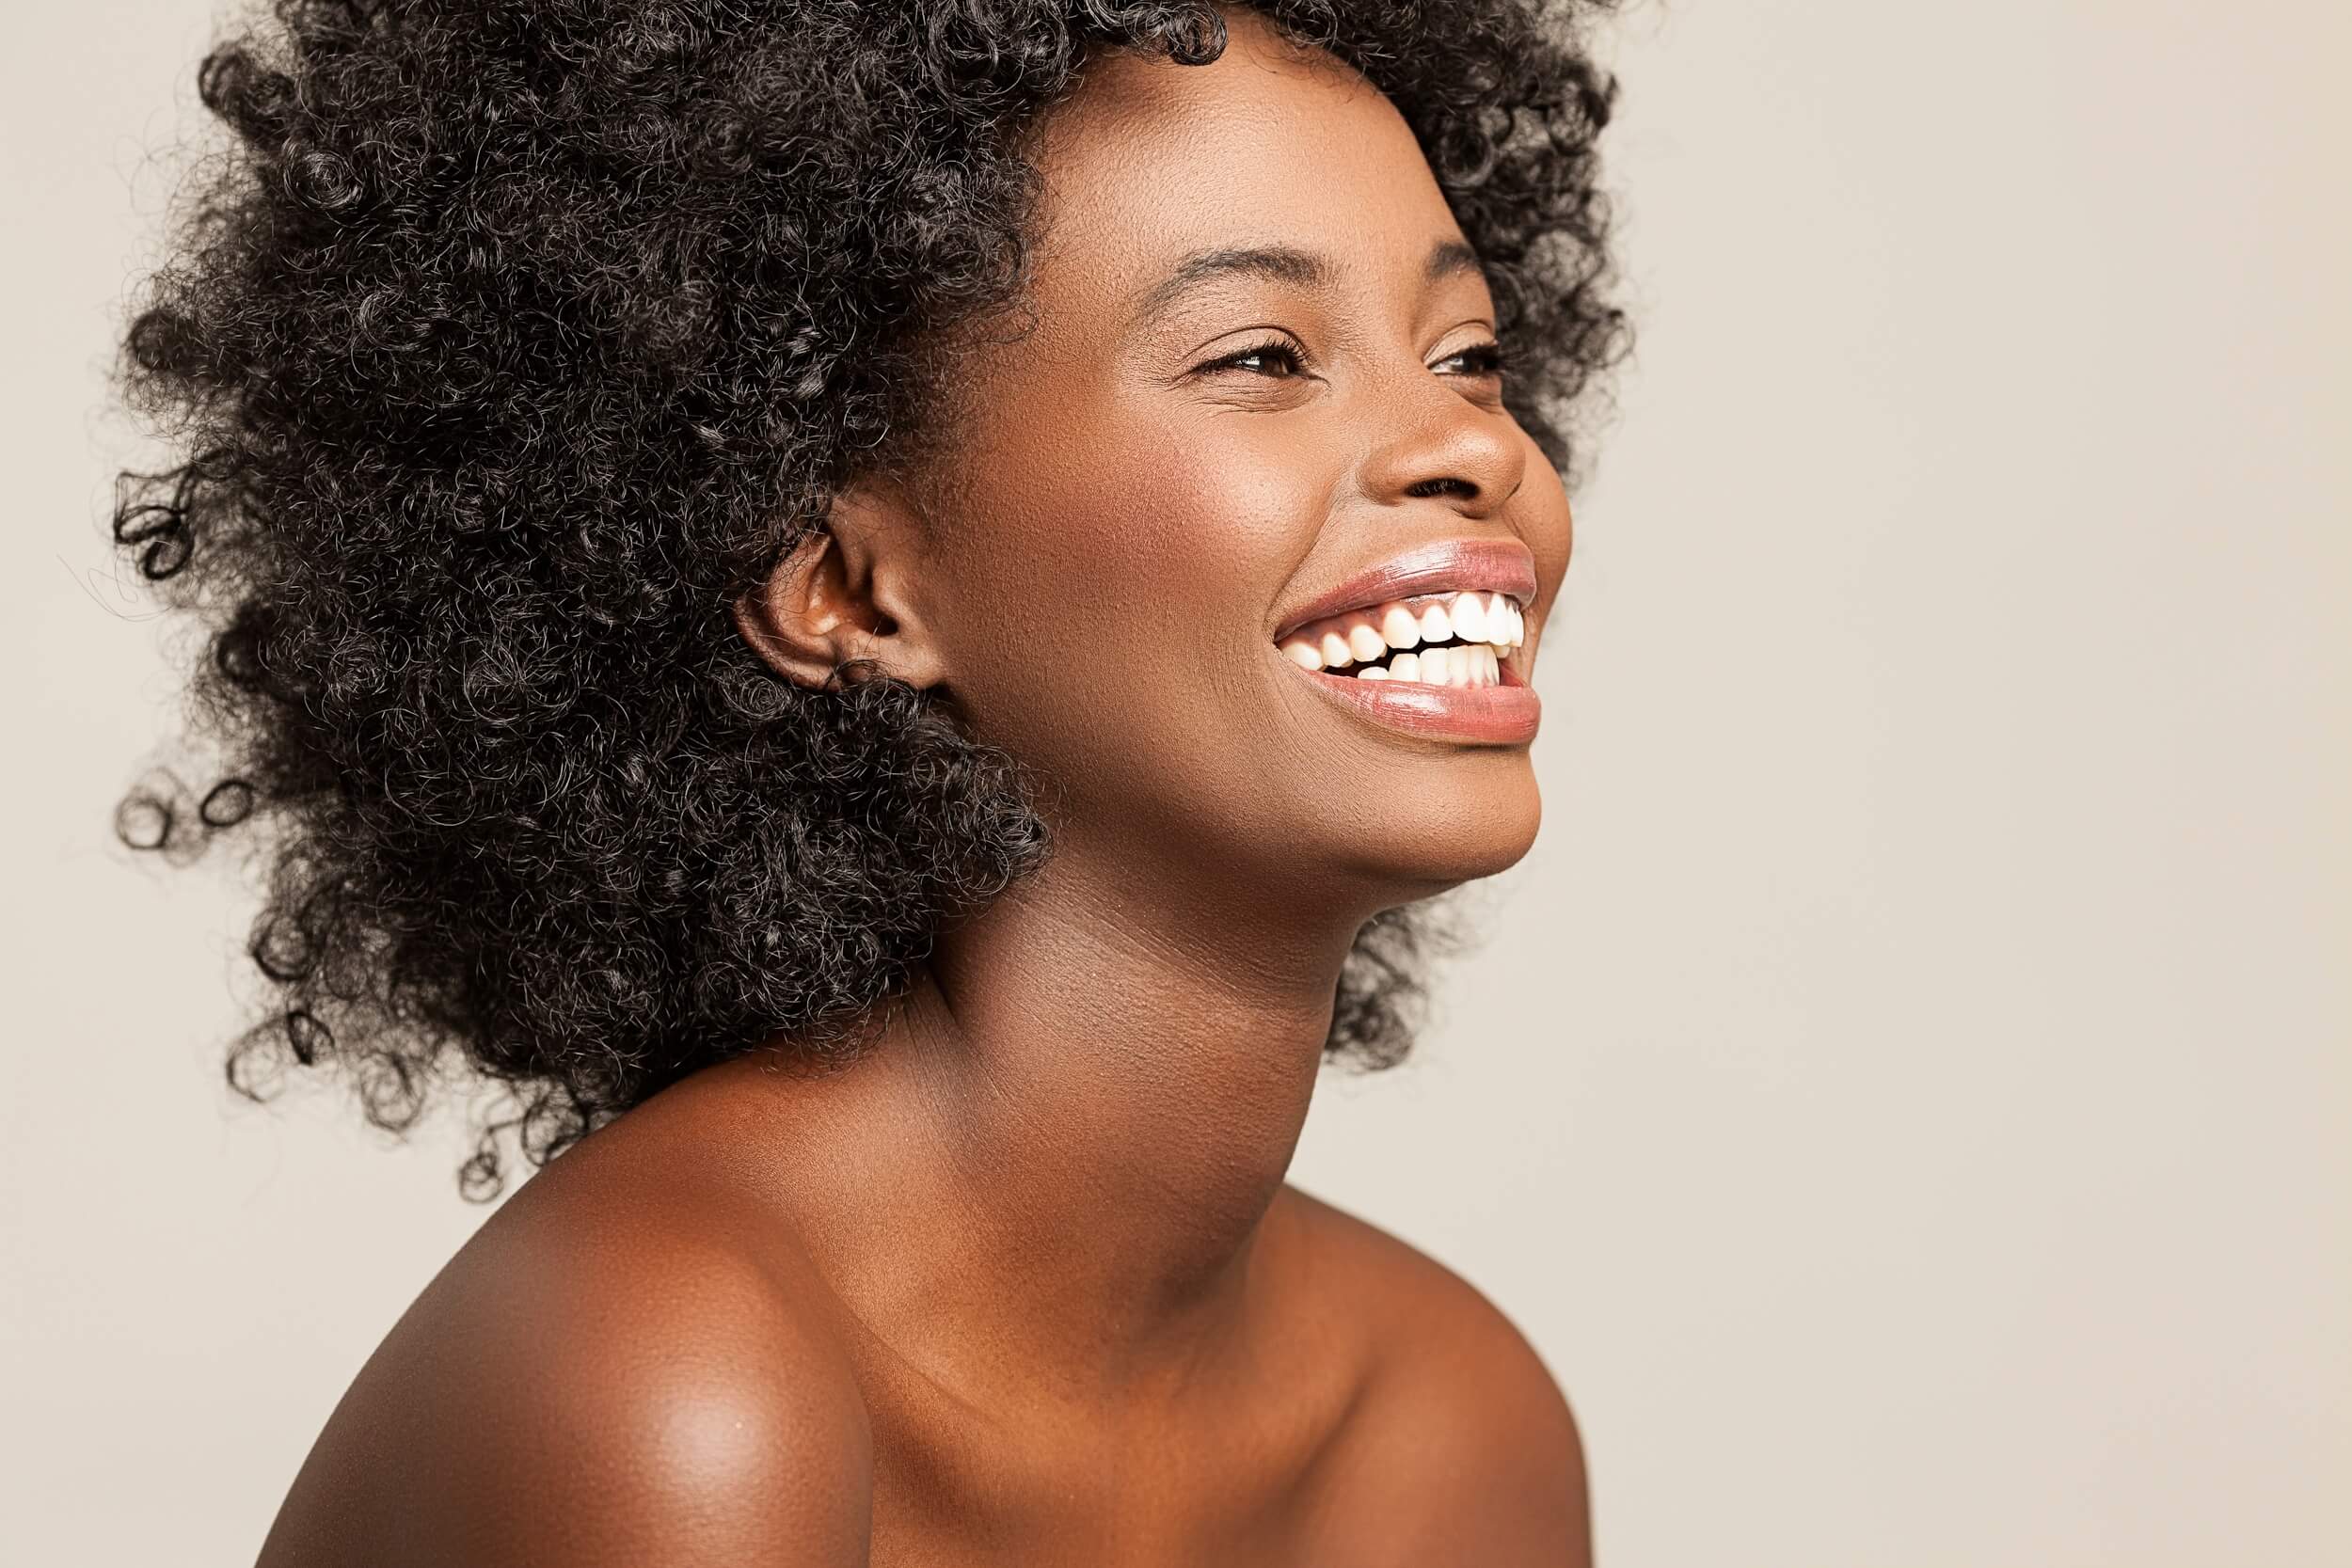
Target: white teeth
1488 626
1471 664
1469 618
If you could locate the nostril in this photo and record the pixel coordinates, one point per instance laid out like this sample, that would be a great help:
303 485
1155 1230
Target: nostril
1422 489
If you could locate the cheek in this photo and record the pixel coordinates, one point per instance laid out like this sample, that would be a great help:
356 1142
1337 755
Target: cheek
1112 590
1550 532
1541 517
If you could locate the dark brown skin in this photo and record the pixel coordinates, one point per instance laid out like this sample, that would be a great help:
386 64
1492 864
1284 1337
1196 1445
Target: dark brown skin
1025 1284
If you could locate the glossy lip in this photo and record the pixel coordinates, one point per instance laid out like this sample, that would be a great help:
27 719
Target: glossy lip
1492 565
1505 715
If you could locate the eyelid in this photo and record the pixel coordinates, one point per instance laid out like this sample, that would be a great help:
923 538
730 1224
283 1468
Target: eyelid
1279 343
1491 349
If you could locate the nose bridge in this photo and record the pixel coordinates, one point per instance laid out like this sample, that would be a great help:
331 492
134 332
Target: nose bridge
1428 439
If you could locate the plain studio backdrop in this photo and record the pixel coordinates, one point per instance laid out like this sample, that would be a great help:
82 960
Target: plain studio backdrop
1907 1095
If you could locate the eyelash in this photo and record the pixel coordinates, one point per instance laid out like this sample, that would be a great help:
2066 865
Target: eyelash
1274 348
1484 359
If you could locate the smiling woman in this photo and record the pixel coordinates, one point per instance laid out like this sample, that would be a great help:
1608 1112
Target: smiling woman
840 597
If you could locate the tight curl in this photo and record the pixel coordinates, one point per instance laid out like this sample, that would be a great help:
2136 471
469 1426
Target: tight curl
508 343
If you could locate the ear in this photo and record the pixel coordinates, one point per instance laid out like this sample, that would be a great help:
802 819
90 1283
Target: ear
847 590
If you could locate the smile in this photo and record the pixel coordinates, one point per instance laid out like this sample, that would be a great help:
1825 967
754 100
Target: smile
1462 639
1431 643
1445 666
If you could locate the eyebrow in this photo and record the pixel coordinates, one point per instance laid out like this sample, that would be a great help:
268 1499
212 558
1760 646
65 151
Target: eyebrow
1287 264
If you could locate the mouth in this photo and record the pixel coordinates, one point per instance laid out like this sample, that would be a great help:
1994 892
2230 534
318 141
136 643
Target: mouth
1450 613
1466 638
1447 666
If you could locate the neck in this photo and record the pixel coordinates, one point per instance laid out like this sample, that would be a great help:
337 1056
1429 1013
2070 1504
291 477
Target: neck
1061 1146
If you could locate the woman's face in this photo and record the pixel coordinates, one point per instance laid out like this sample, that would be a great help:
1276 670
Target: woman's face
1253 394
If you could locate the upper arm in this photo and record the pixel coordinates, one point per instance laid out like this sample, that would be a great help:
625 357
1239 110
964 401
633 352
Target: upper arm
506 1421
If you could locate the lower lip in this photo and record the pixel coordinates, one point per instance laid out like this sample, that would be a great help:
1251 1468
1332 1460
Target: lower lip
1504 715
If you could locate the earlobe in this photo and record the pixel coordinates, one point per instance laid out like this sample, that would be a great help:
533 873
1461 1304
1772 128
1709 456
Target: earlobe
840 594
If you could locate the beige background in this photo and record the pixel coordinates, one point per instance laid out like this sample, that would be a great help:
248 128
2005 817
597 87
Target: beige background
1908 1095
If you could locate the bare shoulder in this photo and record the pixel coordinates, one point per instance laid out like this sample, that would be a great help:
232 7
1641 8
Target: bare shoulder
598 1377
1459 1423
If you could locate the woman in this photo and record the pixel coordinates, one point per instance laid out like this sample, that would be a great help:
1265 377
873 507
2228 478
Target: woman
879 610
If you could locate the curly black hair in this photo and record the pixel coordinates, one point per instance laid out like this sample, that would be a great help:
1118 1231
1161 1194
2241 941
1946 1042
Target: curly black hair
508 342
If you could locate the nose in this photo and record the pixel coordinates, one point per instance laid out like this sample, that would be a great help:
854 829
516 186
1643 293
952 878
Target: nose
1435 442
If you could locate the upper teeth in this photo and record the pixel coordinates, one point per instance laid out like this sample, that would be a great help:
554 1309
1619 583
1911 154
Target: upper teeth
1489 624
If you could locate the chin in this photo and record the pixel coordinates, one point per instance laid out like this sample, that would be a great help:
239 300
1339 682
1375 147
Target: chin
1446 830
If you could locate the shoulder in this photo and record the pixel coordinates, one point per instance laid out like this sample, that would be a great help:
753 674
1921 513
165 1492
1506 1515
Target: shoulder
1453 1400
622 1384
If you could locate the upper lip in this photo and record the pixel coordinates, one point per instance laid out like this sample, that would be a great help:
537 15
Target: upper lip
1489 565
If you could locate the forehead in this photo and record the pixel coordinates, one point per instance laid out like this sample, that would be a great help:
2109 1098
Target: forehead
1271 144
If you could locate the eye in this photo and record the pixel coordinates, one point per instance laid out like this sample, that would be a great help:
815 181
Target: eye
1486 360
1275 358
